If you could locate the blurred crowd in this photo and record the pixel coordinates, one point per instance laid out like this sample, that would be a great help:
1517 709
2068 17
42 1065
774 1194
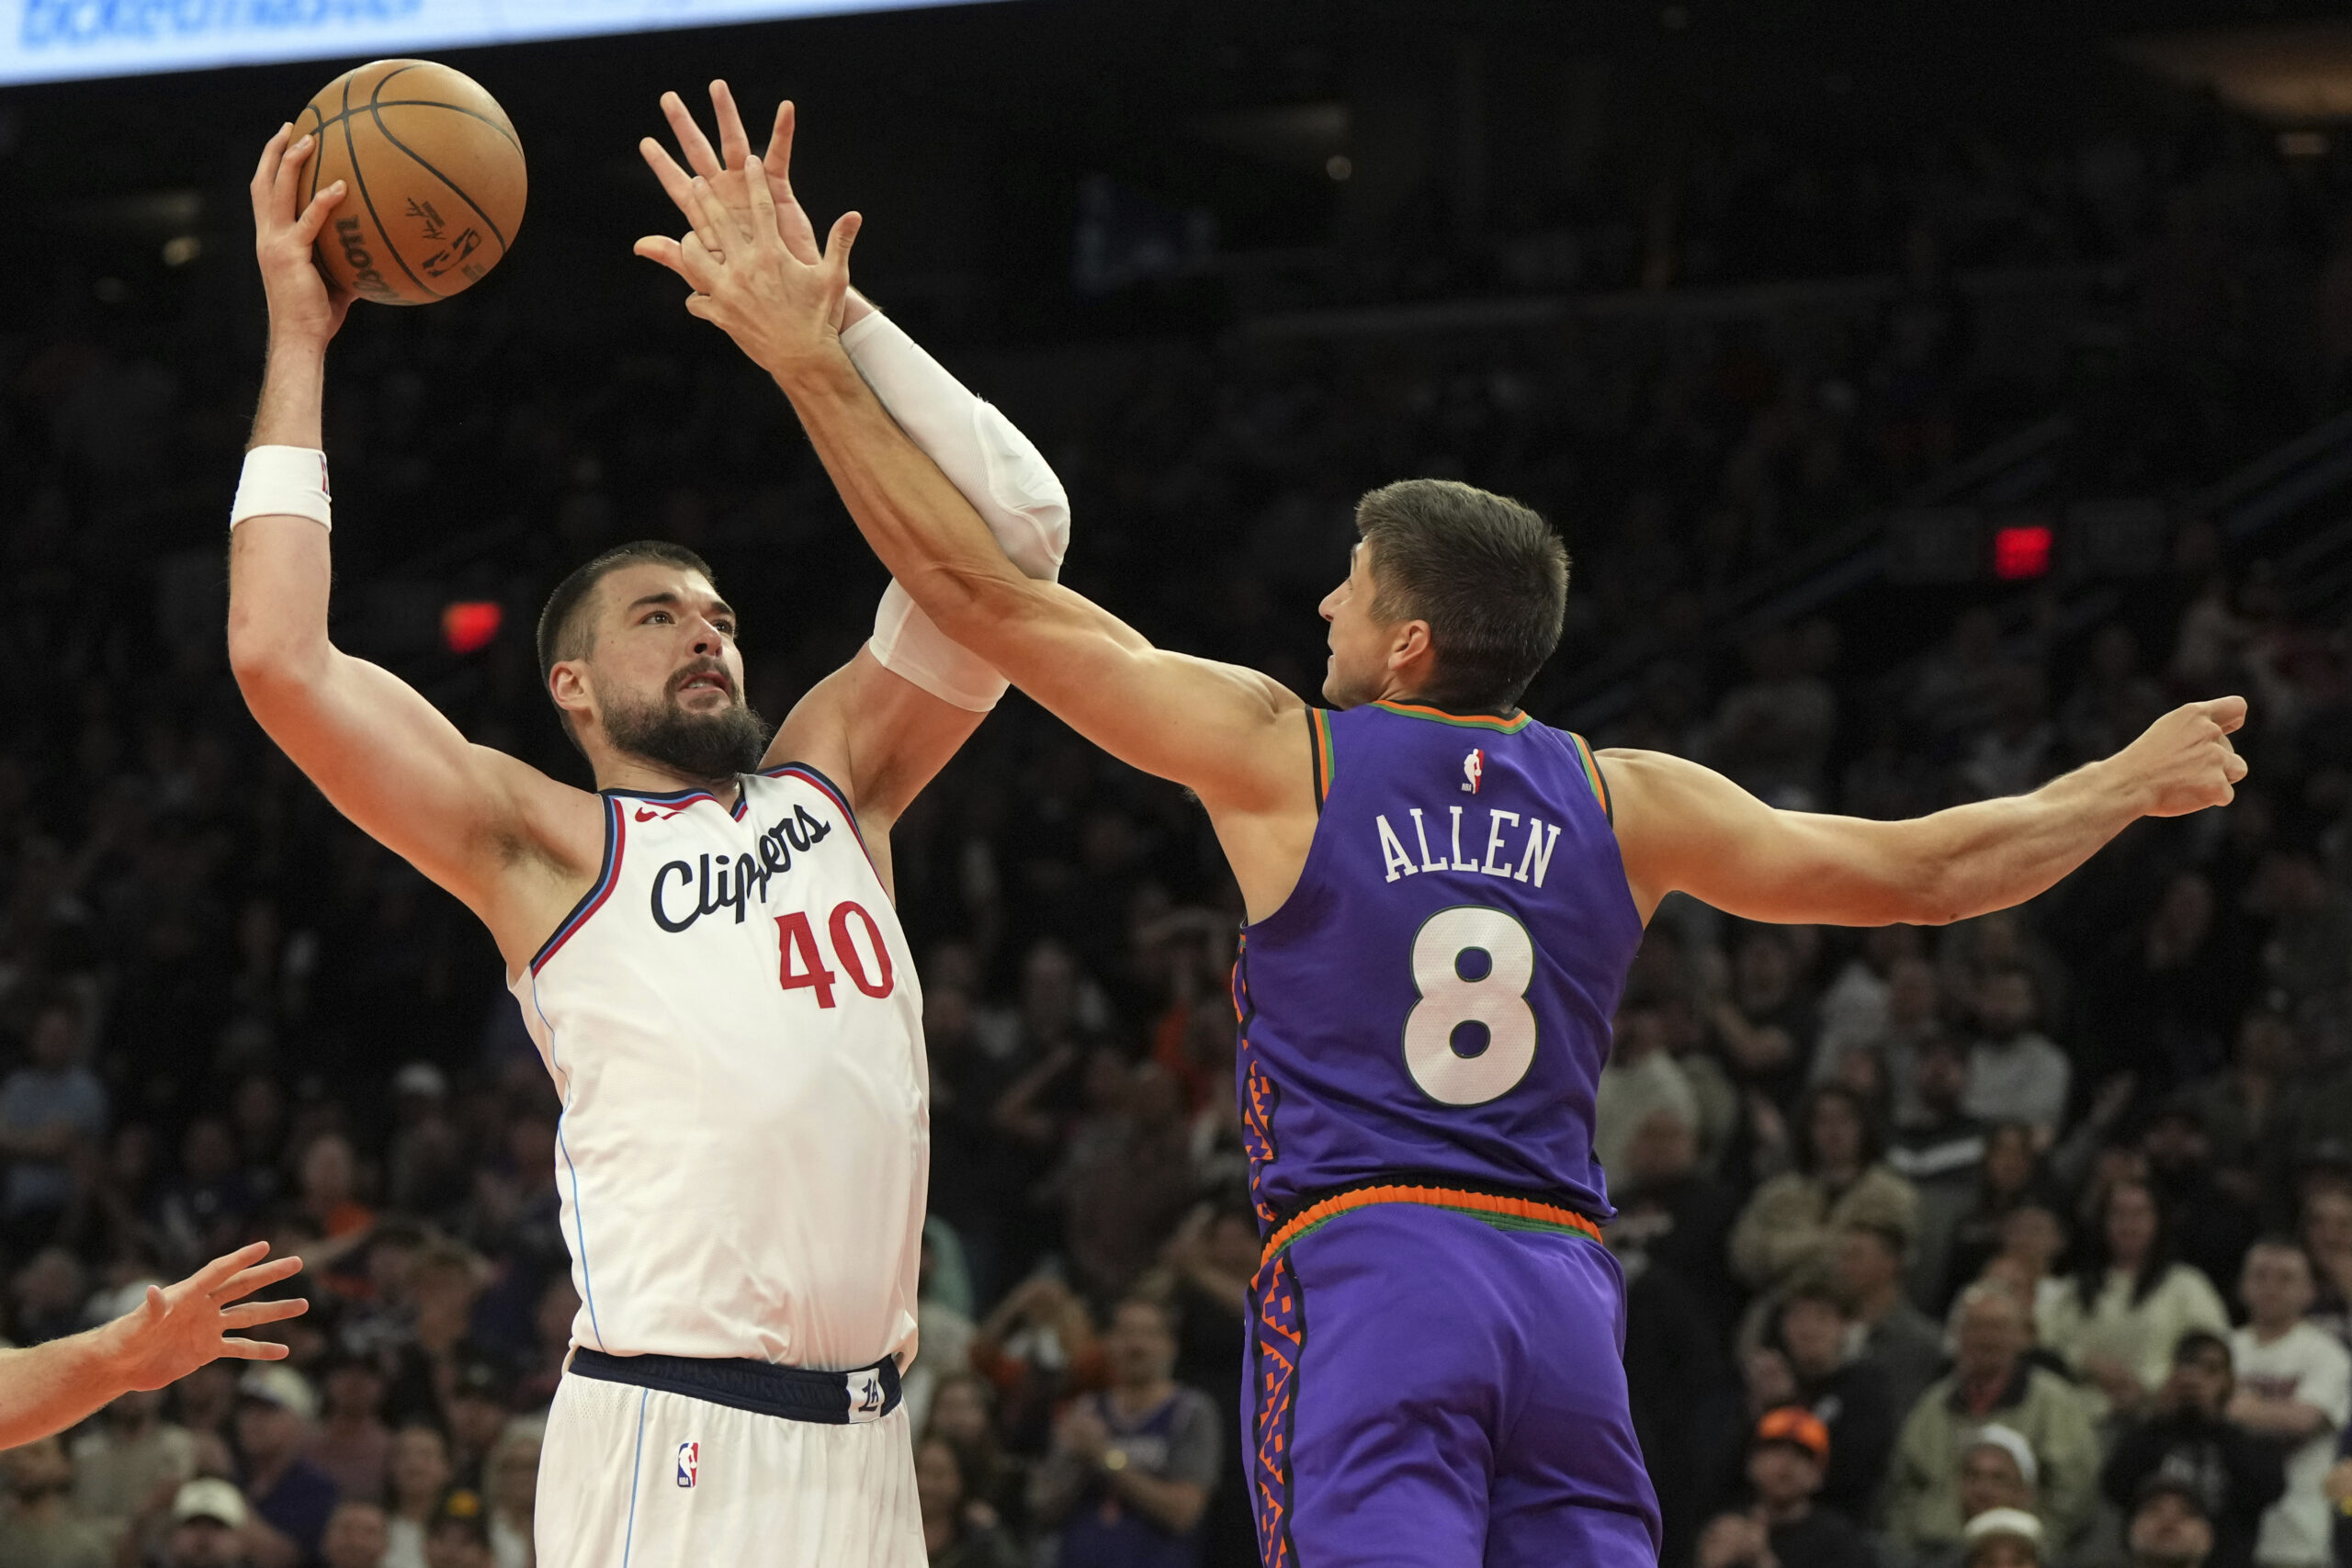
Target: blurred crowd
2024 1241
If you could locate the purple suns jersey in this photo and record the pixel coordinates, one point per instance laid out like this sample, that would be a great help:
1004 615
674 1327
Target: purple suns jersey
1433 1001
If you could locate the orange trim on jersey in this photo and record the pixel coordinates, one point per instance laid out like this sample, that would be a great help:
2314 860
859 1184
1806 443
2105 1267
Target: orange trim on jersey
1592 774
1495 722
1318 741
1511 1213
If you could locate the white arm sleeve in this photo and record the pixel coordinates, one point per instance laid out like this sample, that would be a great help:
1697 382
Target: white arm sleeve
1000 472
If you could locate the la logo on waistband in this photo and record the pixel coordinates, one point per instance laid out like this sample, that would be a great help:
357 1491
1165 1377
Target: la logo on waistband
864 1396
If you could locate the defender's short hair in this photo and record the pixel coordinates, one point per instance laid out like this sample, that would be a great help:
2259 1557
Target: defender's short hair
1487 574
564 631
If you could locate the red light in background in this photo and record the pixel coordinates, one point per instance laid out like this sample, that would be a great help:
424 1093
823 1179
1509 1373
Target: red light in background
2021 552
470 624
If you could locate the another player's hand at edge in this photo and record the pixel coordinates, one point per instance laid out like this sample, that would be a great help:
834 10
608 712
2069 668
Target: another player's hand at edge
304 307
724 167
180 1327
2184 761
785 313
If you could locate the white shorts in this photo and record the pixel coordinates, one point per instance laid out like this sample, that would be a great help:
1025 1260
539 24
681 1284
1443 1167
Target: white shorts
641 1478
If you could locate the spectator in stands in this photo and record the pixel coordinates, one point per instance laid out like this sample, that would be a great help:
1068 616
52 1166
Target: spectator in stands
210 1527
2251 1108
1640 1078
511 1476
2327 1239
1941 1152
474 1415
963 1416
2002 1538
2130 1302
2294 1391
1848 1397
289 1496
418 1474
2187 1435
1841 1179
351 1443
2169 1526
39 1528
127 1455
958 1532
49 1108
2009 1180
1765 1025
1132 1467
1904 1343
458 1536
356 1535
1992 1382
2210 1229
1997 1471
1672 1212
2015 1074
1786 1455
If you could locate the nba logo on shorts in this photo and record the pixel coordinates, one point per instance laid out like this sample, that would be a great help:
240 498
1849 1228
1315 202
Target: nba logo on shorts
689 1454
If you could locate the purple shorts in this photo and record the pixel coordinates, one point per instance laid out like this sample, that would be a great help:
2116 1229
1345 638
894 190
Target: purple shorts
1428 1389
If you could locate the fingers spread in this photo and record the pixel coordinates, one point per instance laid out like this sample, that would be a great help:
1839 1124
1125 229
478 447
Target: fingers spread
210 1277
254 1350
779 158
252 1312
674 180
764 229
734 145
253 1279
662 249
690 140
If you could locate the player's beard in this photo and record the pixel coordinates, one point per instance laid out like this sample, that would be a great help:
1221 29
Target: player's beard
699 745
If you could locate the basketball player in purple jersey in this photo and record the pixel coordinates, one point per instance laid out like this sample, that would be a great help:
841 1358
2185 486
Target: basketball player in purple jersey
1444 897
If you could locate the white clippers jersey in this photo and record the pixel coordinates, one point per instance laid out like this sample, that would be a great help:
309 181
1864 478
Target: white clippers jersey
732 1019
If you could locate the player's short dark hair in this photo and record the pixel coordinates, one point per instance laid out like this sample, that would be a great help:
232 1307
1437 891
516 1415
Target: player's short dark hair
1487 574
564 629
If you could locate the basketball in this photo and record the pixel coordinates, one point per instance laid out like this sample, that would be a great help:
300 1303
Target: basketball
434 180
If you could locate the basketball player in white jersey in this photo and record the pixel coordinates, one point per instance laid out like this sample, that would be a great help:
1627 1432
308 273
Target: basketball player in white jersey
705 951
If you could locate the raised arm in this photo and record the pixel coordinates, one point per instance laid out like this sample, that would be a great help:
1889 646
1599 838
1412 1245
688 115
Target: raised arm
462 814
1235 737
1684 828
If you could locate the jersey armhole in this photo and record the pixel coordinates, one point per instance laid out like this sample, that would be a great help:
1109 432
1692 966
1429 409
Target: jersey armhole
616 841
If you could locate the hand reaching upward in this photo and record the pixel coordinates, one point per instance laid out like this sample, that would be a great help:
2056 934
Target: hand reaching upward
725 168
782 310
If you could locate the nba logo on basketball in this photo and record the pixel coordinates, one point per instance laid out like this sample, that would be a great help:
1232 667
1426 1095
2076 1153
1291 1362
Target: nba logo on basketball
1472 766
689 1454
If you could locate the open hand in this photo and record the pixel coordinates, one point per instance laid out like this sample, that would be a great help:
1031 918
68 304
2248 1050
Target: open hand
782 310
725 167
179 1329
2184 761
303 306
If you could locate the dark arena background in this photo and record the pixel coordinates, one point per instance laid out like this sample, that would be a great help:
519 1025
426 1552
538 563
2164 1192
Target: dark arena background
1929 395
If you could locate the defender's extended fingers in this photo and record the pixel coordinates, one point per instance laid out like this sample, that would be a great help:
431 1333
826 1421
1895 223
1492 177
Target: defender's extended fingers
215 1274
674 180
838 243
252 1314
778 161
255 1279
734 144
764 231
690 140
662 249
254 1350
697 266
708 216
2227 712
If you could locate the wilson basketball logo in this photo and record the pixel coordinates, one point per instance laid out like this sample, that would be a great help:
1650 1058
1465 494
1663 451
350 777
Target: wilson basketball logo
689 1462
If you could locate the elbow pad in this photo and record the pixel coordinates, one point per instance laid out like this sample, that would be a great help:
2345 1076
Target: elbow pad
1000 472
982 453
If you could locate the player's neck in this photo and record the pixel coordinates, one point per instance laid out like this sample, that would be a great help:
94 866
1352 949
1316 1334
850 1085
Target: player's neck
639 776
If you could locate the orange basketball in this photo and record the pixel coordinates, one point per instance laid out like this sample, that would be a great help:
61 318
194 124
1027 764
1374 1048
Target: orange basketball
433 175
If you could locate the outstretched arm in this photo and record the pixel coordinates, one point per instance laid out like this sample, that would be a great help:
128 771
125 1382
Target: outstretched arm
462 814
176 1330
1684 828
1235 737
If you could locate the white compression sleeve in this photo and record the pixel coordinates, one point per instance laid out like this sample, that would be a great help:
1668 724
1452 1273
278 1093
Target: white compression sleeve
1003 475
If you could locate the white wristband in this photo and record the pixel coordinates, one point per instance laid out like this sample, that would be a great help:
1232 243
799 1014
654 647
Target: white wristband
908 643
284 481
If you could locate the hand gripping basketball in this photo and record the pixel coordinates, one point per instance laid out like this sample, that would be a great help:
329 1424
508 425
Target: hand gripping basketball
302 306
